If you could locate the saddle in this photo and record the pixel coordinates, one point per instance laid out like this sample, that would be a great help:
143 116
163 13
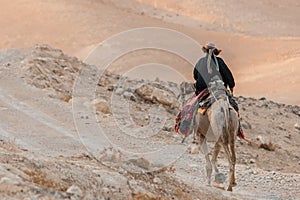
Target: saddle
200 104
216 91
184 120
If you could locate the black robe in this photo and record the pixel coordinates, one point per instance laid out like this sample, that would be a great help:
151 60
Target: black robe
202 76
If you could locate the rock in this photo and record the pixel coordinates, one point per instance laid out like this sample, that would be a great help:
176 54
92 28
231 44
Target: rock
145 91
169 125
157 180
140 162
187 87
297 126
132 183
268 146
194 149
128 95
105 190
263 98
261 139
75 191
122 171
172 84
294 109
104 81
119 91
110 88
137 189
6 180
246 125
220 178
102 106
163 97
156 95
66 98
110 155
254 172
113 180
47 67
251 161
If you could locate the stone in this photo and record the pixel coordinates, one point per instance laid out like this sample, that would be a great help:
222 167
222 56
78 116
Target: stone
194 149
119 91
140 162
137 188
145 91
261 139
110 88
297 126
102 106
156 95
268 146
75 191
105 190
187 87
246 125
220 178
113 179
252 161
169 125
157 180
132 183
6 180
128 95
163 97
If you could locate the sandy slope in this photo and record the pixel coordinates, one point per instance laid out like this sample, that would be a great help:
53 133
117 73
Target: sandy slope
77 26
52 162
263 18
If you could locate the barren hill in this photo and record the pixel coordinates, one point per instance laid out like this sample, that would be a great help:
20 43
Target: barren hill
44 154
259 39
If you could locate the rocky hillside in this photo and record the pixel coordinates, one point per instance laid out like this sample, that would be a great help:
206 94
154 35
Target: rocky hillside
39 83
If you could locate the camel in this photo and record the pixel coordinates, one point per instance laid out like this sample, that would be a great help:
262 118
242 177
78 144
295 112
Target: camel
219 123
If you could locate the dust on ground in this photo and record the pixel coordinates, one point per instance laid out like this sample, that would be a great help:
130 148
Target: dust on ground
42 155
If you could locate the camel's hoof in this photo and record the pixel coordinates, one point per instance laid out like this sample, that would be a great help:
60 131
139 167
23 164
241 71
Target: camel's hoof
220 178
208 183
229 189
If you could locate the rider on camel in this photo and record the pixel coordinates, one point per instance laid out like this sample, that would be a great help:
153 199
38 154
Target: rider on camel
211 66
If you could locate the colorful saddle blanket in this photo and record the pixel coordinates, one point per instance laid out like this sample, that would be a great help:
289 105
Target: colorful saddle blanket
185 119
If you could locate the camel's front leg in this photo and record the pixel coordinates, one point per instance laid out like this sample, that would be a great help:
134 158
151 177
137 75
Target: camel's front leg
204 150
219 177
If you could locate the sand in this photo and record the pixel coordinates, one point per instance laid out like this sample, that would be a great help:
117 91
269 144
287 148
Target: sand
260 41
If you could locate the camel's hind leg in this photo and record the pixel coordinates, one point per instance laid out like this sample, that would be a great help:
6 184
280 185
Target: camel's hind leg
231 166
214 158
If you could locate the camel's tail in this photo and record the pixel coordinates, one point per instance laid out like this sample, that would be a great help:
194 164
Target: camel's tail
226 116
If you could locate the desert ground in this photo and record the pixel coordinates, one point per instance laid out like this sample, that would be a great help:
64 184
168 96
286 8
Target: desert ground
70 130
